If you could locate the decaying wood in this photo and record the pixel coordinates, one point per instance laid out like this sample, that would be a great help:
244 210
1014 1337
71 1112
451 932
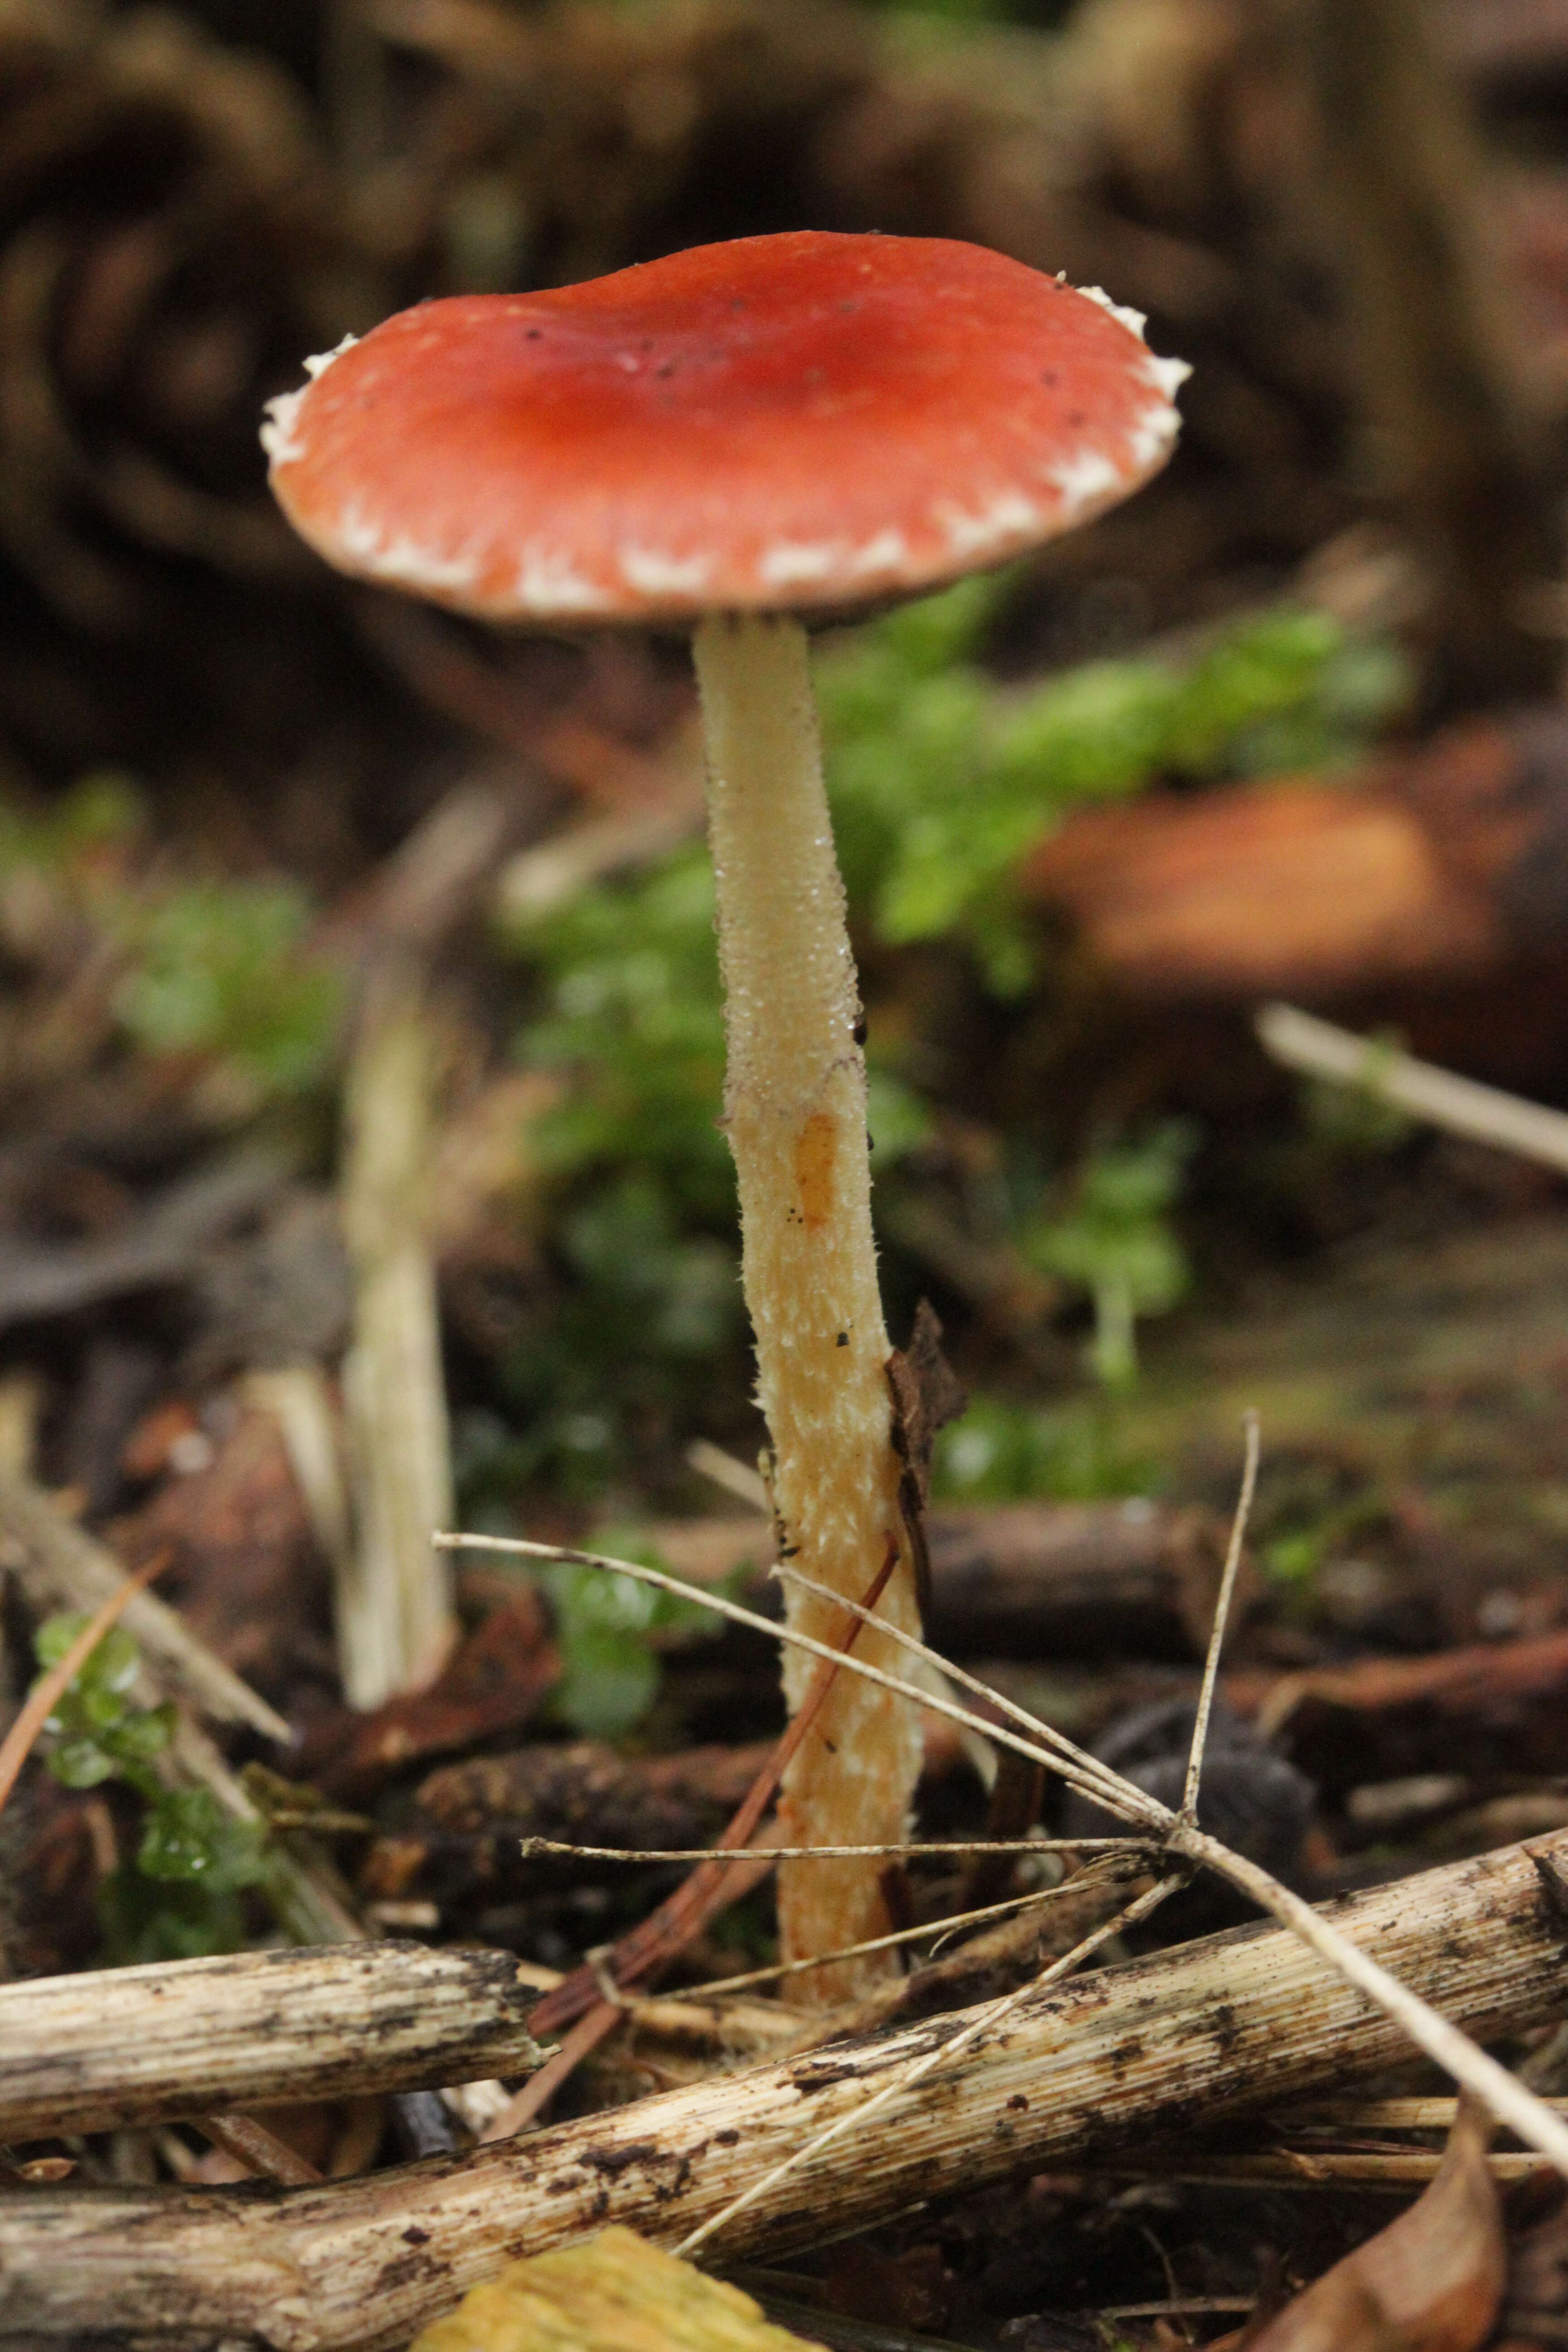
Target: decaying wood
58 1565
1215 2030
1430 866
493 1683
1489 1709
1056 1579
131 2047
1279 889
991 1963
1089 1579
470 1818
118 2046
164 1248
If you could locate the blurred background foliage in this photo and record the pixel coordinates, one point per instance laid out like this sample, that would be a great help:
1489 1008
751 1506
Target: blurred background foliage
939 780
222 769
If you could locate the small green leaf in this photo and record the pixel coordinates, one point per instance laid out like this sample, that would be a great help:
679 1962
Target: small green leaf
189 1837
224 969
610 1682
142 1735
109 1667
81 1764
146 1919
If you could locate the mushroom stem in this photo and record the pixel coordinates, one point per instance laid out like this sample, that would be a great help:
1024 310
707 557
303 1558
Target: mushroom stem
794 1108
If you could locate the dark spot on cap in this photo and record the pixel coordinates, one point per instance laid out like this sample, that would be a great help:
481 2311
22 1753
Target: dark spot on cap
842 1340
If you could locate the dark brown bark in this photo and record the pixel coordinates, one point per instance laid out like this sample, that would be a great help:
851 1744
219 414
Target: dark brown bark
1064 1579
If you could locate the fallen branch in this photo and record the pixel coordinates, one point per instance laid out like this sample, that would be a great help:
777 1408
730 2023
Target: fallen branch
1506 2098
1218 2030
120 2046
1459 1105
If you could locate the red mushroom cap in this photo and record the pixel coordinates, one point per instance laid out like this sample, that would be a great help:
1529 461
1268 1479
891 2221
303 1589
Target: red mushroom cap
780 423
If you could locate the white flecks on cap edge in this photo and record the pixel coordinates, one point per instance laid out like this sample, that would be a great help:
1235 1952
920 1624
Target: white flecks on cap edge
1135 320
783 565
279 438
1153 435
320 362
357 535
1010 515
652 574
884 553
1084 479
546 582
403 560
1167 376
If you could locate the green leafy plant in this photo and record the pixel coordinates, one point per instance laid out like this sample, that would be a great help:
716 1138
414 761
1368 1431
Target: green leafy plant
219 970
1004 1452
1116 1242
1357 1119
940 779
610 1631
98 817
180 1898
222 968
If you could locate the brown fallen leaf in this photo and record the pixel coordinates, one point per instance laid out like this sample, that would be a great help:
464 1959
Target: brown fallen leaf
246 1576
496 1683
1432 2280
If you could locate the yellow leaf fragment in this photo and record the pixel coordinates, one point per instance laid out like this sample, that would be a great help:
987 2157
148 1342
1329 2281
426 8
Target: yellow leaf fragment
611 2292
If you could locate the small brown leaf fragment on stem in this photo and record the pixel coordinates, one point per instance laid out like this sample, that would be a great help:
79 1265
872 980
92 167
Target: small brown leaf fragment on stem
926 1396
1432 2280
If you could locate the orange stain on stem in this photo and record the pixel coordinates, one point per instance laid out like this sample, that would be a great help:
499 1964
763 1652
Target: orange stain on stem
816 1152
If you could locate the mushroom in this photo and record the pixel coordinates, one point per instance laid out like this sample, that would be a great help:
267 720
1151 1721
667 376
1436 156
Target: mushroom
738 438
